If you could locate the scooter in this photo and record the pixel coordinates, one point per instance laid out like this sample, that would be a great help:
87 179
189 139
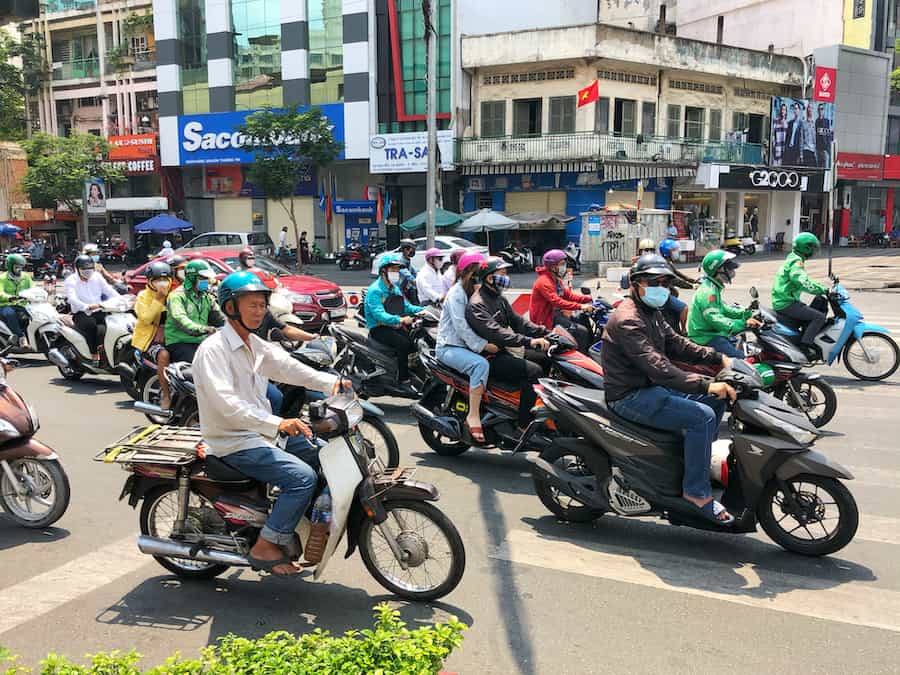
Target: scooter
354 256
40 321
573 256
71 355
868 350
34 487
766 473
200 516
741 245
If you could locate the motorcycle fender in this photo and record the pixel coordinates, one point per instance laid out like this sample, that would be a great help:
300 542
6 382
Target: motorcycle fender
136 487
863 327
410 489
27 447
814 463
812 376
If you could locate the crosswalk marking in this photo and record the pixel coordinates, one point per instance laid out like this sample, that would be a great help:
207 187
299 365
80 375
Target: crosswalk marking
852 602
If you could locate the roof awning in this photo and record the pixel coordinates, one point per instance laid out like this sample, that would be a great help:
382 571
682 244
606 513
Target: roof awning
612 171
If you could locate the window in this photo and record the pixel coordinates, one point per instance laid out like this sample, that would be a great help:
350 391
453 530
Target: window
234 240
624 114
562 114
693 123
648 118
673 125
740 121
601 116
527 117
493 119
441 244
259 239
715 125
893 136
483 200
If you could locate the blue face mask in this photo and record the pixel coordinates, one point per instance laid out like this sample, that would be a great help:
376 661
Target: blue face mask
203 285
501 282
95 258
655 296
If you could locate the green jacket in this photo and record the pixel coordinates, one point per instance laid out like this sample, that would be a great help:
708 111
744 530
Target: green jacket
189 314
10 287
710 317
791 281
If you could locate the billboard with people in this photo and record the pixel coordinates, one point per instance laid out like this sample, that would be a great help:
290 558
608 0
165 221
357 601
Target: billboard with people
801 133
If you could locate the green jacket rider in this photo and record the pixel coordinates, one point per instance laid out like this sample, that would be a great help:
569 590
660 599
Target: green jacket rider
192 312
791 281
711 321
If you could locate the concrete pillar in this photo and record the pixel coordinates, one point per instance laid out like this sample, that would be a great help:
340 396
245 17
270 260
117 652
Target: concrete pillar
739 216
795 217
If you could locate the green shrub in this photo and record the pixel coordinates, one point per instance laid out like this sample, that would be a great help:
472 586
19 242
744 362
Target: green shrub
387 649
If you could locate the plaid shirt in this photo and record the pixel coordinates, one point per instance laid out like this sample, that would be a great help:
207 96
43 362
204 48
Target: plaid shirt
780 130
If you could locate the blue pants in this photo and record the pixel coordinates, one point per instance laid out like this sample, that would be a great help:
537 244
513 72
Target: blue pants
294 471
695 416
10 316
276 398
465 361
725 345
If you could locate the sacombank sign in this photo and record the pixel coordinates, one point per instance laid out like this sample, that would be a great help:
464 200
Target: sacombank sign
213 138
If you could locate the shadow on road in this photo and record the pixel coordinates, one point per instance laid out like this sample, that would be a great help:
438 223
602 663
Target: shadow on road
12 534
490 470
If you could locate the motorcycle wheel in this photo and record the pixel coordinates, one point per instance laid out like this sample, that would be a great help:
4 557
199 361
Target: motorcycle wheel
384 444
158 513
48 486
560 505
150 393
431 545
817 497
885 352
817 399
343 265
71 373
442 445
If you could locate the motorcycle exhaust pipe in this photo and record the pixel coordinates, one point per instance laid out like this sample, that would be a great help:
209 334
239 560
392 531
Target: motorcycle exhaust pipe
150 409
176 549
57 358
125 370
445 426
567 483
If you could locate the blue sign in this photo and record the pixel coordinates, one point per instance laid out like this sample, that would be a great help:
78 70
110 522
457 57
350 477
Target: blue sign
361 208
212 138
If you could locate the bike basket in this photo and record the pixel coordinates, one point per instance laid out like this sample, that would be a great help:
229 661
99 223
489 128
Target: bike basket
155 444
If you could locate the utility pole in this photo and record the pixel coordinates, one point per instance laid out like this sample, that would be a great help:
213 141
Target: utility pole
431 77
832 180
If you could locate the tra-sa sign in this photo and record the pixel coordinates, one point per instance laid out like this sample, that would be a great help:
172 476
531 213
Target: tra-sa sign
408 152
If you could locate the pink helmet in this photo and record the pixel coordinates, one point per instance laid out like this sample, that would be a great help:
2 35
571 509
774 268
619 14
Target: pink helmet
433 253
553 256
470 259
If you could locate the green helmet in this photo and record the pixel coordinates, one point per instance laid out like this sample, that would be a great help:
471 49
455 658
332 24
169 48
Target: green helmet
806 244
713 261
194 270
15 260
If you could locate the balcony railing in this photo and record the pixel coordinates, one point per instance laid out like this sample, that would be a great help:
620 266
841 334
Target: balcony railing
73 70
587 145
67 5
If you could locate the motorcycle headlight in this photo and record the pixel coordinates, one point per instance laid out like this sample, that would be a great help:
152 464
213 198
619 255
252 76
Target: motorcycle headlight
300 299
798 434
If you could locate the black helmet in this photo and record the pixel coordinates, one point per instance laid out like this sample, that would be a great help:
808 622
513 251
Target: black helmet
159 270
492 265
650 265
407 243
176 261
84 262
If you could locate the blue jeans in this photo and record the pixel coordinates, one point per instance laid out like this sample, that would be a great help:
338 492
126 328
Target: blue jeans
465 361
10 316
294 471
276 398
725 345
695 416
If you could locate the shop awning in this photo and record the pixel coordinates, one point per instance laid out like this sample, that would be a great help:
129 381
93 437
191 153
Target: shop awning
631 170
163 223
534 220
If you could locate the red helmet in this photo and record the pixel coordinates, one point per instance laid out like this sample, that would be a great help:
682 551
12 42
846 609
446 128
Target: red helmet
244 254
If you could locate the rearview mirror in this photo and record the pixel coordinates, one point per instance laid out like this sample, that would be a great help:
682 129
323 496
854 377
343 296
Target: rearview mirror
753 292
585 290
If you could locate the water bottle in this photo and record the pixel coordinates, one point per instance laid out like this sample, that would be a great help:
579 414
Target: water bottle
320 519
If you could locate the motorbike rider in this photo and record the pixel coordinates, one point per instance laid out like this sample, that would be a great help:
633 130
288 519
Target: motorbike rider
712 322
166 249
670 250
521 342
231 371
643 386
459 347
148 336
790 281
550 297
92 250
450 273
12 282
407 271
247 258
191 312
178 263
429 282
85 290
389 313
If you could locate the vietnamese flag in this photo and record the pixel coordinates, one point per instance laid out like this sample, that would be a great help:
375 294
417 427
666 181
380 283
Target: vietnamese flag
589 94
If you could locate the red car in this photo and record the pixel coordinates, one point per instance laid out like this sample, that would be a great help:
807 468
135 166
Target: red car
316 301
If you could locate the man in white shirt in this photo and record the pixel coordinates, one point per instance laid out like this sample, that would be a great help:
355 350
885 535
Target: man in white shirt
166 249
429 282
282 241
85 290
231 371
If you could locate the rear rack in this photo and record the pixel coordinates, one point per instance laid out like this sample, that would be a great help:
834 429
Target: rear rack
155 444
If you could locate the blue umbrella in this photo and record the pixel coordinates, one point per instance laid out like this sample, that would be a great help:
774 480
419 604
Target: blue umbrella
163 223
9 230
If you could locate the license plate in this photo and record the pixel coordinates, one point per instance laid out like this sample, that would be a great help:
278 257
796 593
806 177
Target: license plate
338 313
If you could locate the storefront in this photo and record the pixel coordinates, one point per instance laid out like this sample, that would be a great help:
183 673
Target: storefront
862 207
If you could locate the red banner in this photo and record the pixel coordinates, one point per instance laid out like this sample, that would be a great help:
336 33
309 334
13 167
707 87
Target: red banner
892 167
826 83
135 146
856 166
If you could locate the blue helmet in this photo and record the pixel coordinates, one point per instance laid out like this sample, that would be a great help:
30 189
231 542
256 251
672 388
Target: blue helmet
240 283
668 247
388 259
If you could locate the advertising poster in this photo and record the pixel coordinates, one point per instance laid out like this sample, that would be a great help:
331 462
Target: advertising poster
95 192
801 133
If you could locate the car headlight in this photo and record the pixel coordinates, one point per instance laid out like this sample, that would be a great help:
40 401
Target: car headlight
300 298
798 434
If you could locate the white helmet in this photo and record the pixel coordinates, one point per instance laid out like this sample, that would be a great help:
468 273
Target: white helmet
282 308
90 249
167 244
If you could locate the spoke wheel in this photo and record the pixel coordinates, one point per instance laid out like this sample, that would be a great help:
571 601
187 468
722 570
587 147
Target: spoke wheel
432 550
814 398
822 520
380 441
153 394
881 362
46 495
559 504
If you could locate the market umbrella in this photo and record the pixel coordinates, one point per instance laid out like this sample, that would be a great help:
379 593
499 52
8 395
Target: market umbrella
9 230
163 223
442 218
487 221
534 219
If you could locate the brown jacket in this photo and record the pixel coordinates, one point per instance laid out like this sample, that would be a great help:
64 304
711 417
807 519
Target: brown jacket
637 345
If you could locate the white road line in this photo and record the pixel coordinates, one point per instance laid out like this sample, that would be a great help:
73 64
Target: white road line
853 602
45 592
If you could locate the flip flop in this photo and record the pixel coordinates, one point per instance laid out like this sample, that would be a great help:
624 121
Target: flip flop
711 511
477 433
258 565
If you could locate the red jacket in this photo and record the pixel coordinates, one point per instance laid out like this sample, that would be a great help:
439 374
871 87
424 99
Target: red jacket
549 294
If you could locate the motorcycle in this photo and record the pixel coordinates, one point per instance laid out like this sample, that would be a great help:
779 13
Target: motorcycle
521 259
767 473
573 256
199 516
741 245
354 256
868 351
442 410
39 319
34 487
70 353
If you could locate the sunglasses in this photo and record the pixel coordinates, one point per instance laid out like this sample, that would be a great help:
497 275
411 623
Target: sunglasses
659 281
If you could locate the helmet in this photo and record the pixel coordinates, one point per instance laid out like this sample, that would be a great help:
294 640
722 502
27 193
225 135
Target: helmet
237 284
84 262
389 259
650 265
407 243
806 244
474 258
719 261
456 254
668 248
553 256
167 244
433 253
646 244
159 270
14 260
195 269
244 254
90 249
491 265
176 261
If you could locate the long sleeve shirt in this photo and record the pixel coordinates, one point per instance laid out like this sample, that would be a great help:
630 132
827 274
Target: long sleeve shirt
429 284
82 294
149 310
379 294
454 329
791 281
231 379
710 317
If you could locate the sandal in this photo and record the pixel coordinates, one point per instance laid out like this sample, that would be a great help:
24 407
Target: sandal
259 565
711 512
477 434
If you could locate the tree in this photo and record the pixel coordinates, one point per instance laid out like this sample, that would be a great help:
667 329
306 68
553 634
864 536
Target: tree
285 143
58 168
12 93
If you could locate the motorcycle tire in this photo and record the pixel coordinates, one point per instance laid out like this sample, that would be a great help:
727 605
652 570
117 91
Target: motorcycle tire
573 511
771 513
806 387
71 373
892 351
150 393
388 451
195 570
343 265
442 445
394 578
60 483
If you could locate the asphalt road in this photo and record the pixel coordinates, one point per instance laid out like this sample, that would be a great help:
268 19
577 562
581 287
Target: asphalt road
540 596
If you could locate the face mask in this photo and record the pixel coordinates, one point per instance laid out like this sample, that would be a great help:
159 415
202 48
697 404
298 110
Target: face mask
655 296
203 285
16 271
393 277
180 275
95 258
561 270
161 285
85 274
501 282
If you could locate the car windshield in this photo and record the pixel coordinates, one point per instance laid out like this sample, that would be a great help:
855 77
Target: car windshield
464 243
263 263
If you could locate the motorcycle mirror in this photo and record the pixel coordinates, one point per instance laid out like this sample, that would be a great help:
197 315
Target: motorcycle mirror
753 292
585 290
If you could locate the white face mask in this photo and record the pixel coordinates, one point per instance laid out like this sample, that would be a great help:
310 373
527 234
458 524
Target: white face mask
161 285
180 275
393 277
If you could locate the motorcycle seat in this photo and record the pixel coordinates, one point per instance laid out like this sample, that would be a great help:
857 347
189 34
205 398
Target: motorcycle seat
379 347
221 472
595 400
789 321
